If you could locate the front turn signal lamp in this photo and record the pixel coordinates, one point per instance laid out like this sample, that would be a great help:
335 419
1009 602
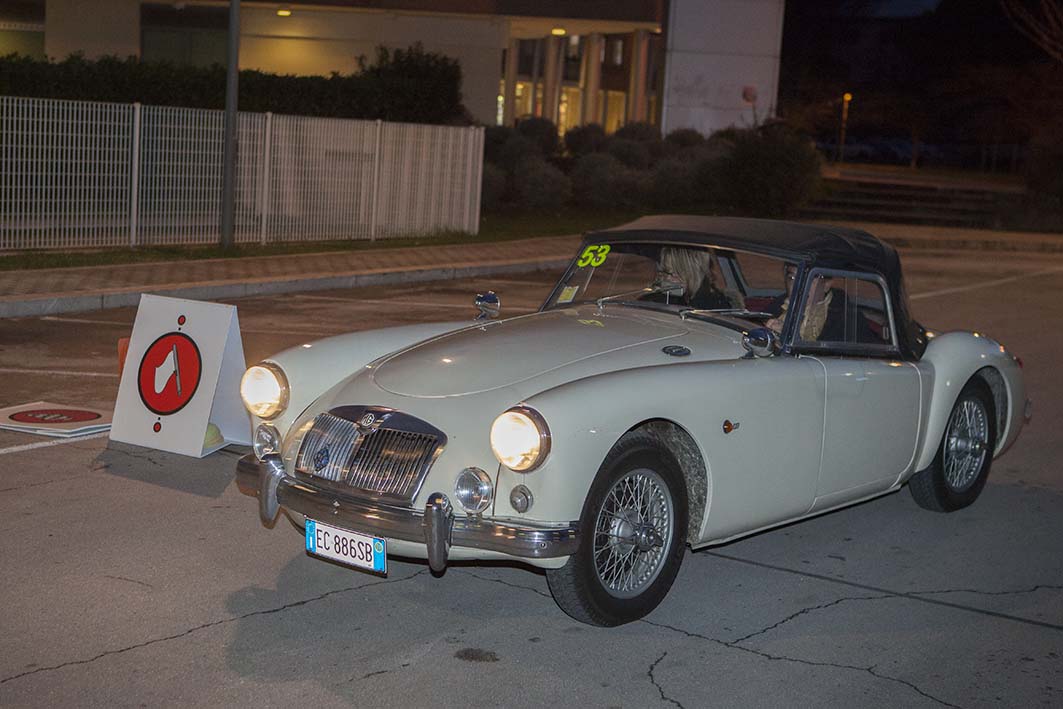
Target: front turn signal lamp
520 439
264 390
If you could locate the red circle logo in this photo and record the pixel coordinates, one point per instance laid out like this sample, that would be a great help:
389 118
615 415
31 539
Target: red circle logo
47 416
169 373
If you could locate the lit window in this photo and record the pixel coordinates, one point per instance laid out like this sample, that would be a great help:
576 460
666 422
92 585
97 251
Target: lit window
618 52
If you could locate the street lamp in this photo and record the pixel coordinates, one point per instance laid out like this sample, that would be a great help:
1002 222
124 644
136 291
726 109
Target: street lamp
846 98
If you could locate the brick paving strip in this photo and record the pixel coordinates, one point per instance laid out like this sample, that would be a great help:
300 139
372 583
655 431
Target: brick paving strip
80 289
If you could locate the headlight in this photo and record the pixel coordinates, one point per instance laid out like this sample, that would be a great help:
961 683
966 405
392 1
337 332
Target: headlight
474 490
520 439
264 390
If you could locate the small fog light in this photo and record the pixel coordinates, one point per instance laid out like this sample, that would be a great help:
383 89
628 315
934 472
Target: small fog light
267 441
474 490
521 499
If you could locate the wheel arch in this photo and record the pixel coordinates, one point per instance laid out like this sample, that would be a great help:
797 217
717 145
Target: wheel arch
957 358
688 454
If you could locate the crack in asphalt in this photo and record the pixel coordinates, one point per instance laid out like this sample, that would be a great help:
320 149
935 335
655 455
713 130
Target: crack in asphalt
810 609
39 484
870 669
123 578
660 690
213 623
1032 589
511 585
911 595
138 456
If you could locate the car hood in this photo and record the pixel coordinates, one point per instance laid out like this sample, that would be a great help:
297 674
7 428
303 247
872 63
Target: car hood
502 353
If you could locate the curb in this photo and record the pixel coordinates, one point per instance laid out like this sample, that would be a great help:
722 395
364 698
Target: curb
130 297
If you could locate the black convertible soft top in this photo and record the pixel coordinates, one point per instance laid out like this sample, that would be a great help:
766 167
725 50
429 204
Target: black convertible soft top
813 244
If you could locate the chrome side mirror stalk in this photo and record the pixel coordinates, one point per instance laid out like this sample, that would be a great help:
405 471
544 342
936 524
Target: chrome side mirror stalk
760 342
488 304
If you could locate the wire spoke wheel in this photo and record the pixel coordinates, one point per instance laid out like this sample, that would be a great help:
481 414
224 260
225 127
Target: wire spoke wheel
966 444
633 532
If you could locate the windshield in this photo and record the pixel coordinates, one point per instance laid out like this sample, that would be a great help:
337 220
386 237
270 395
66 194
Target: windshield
688 279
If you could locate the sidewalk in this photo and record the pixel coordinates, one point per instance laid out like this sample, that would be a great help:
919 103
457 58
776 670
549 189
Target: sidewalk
66 290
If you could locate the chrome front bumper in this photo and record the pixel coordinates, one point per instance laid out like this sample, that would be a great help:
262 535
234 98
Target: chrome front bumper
436 526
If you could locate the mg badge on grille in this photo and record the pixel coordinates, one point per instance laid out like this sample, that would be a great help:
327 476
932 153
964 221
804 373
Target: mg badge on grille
321 459
367 421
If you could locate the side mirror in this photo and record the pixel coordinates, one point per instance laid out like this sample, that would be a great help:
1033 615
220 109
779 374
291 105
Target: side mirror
760 342
488 304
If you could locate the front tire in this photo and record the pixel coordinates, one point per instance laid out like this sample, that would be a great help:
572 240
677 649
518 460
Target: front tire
961 467
633 529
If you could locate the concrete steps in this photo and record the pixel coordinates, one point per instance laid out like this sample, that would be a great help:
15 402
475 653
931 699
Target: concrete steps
906 203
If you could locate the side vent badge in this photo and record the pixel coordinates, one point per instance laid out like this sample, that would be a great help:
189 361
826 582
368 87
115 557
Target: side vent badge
676 350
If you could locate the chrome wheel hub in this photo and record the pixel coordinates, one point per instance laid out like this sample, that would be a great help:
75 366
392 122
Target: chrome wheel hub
966 444
633 530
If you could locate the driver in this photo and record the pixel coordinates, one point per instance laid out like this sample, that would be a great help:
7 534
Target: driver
698 271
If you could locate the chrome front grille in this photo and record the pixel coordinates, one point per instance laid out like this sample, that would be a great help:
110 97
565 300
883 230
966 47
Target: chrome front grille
388 459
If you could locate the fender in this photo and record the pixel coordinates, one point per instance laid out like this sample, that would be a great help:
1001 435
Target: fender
955 357
762 471
311 368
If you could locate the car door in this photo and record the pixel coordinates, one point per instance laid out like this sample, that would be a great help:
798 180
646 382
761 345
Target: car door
872 396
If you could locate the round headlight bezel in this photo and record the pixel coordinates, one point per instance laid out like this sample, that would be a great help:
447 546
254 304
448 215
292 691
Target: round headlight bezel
266 441
543 430
283 391
467 480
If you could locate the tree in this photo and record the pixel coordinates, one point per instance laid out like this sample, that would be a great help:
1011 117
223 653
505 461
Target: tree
1041 21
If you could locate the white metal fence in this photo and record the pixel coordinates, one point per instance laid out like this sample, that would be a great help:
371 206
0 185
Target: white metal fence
82 174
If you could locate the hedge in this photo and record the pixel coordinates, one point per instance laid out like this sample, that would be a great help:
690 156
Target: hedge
766 171
409 85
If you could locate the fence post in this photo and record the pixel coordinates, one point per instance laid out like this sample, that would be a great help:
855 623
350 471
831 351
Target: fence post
134 178
477 183
266 172
376 181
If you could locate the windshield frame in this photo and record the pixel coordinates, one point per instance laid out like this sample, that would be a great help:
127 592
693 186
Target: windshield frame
739 324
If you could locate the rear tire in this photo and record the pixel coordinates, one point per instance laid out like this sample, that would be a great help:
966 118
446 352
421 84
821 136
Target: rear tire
961 467
633 529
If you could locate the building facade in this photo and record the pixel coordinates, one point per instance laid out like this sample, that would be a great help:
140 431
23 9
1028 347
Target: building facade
704 64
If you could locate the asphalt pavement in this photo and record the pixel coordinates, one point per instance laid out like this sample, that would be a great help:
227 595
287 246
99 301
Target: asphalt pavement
139 578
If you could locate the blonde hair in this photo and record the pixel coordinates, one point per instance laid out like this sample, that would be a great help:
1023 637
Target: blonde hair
691 266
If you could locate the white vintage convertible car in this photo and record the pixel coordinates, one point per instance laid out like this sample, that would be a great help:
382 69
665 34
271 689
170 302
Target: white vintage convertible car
688 381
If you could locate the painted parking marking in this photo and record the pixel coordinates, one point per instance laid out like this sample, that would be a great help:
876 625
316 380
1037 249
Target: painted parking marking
49 444
58 372
985 284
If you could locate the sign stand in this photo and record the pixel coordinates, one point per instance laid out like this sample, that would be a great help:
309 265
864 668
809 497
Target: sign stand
180 388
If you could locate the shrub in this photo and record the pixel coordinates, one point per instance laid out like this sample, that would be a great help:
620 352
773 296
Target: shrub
585 139
630 152
600 180
495 139
592 179
515 151
631 188
675 185
769 172
639 132
540 186
685 138
402 85
542 133
493 187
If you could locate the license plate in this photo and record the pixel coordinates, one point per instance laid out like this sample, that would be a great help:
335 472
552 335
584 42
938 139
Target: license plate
347 547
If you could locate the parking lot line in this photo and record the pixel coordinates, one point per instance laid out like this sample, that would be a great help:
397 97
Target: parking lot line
59 372
985 284
49 444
